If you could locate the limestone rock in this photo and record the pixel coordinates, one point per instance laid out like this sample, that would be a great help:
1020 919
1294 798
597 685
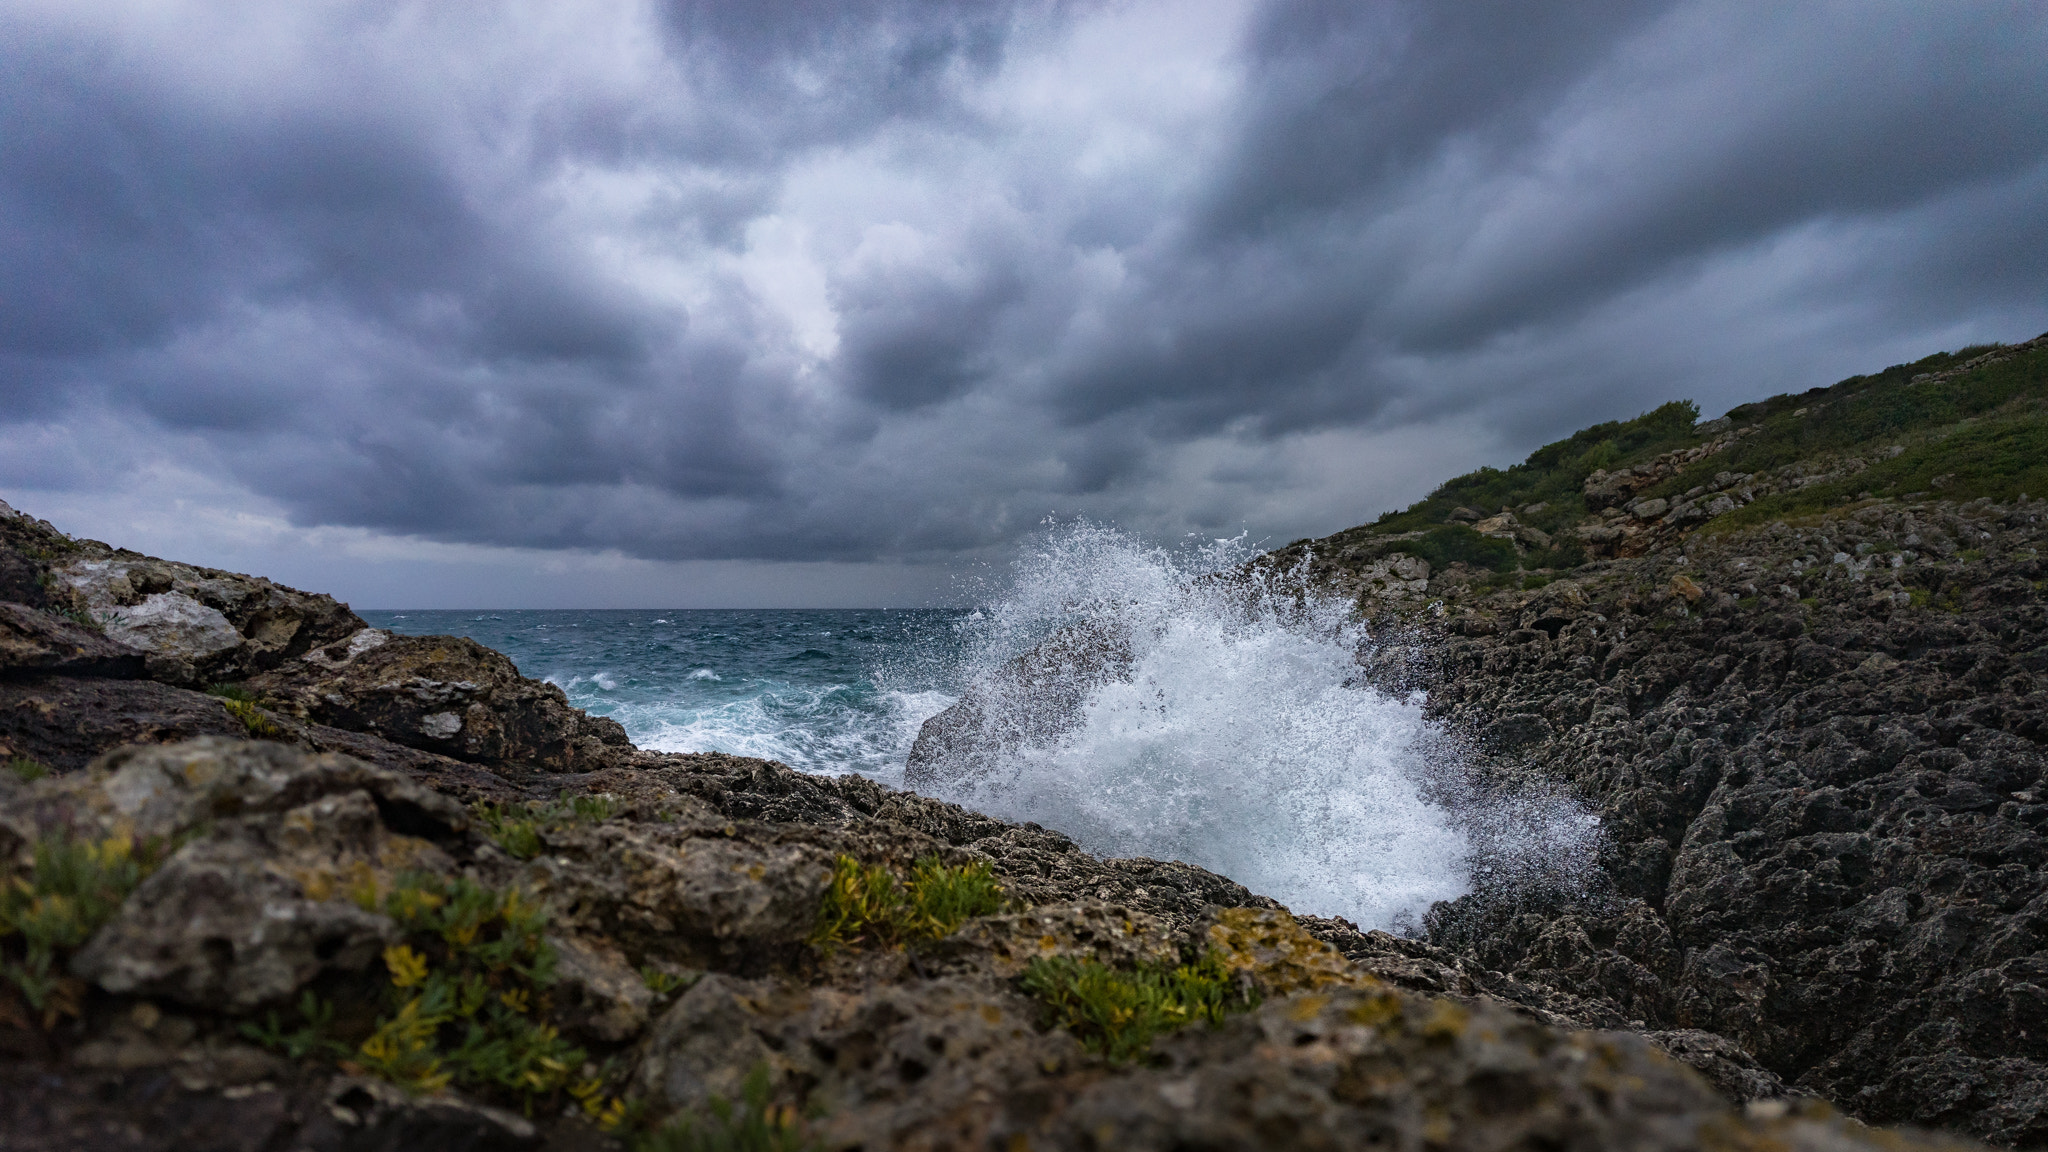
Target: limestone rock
672 892
597 994
443 694
198 625
179 634
33 642
253 905
66 722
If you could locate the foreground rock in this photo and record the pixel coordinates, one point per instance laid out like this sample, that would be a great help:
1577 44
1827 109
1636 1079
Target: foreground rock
269 892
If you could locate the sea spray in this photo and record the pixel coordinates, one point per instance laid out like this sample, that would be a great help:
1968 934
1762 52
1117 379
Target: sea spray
1235 732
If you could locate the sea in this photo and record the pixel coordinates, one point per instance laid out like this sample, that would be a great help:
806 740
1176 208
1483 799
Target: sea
1245 740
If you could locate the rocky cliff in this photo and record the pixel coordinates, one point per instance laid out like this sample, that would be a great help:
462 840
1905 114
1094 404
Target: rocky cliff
373 892
1795 657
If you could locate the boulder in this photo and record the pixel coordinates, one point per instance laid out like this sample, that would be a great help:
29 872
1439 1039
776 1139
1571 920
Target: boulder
1032 700
35 642
194 625
442 694
252 905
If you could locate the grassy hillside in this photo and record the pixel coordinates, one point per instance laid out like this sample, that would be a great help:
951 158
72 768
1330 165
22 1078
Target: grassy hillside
1955 425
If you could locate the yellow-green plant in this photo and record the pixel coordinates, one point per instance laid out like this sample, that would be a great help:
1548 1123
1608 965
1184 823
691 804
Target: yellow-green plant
755 1125
1117 1012
26 770
666 983
254 719
75 885
867 904
517 828
468 994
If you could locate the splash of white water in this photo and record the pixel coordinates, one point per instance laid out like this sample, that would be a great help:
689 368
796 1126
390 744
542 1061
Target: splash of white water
1242 739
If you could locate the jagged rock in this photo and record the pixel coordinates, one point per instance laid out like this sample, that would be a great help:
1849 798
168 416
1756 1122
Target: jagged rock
179 634
673 892
195 625
598 995
1822 791
1031 700
250 907
443 694
33 642
66 722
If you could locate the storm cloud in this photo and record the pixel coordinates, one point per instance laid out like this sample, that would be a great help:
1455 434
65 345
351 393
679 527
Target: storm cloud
892 280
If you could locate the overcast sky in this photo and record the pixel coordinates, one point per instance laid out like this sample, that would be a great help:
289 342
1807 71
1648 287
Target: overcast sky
822 302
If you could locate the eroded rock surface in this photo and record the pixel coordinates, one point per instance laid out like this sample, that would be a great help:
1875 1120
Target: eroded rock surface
1818 752
442 694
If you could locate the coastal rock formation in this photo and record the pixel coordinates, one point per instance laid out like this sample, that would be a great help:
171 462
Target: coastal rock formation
1031 700
442 694
1818 755
287 887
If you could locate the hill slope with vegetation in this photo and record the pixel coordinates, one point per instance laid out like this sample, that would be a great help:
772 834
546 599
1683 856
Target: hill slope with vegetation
1956 425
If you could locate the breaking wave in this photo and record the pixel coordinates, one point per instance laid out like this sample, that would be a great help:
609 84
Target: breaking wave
1244 739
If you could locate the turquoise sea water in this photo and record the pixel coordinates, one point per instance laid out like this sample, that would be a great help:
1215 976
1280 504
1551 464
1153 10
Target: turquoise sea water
823 691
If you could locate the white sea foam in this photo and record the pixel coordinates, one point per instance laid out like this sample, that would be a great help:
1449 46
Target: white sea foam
1243 740
812 729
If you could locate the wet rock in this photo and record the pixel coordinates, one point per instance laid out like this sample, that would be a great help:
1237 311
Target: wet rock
1029 701
37 643
443 694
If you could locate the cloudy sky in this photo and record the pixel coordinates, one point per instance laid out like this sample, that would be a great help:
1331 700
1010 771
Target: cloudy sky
824 302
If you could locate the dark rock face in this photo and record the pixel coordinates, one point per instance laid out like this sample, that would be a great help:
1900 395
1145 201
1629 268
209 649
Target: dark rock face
1818 753
33 641
194 626
443 694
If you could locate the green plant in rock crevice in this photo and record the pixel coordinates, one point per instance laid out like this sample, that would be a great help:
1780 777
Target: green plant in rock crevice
26 770
517 828
465 1001
75 885
241 704
756 1124
867 904
1117 1011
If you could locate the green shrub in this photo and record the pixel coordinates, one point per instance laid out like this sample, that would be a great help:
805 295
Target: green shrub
74 886
1117 1012
26 770
1446 544
464 999
867 905
756 1125
313 1037
517 828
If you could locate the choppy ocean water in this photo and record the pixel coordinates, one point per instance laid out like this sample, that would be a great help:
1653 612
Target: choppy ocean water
821 691
1244 740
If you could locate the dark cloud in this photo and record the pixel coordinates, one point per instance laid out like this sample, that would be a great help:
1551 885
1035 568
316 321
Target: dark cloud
897 278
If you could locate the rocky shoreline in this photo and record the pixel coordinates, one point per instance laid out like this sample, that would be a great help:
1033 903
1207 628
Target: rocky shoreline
264 864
